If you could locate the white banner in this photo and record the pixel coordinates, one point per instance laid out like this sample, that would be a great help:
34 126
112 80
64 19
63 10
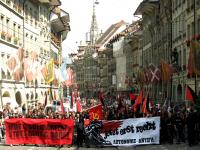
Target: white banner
134 131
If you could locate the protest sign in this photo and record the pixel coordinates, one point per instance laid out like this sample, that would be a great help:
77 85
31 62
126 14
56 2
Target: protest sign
39 131
127 132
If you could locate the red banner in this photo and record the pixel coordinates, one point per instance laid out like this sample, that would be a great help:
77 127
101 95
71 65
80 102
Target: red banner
96 112
39 131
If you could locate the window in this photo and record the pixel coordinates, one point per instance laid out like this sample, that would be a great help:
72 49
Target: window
193 30
2 22
8 2
184 58
2 72
179 58
179 25
198 2
188 31
26 53
8 75
20 6
19 30
31 16
183 22
175 4
198 26
14 29
36 18
15 4
8 30
188 5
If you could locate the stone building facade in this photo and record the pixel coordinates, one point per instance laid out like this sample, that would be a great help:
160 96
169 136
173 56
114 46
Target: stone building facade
26 25
156 42
168 25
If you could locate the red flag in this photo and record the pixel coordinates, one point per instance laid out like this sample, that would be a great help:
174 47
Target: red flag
101 97
132 97
78 105
69 80
191 66
18 74
195 51
138 100
77 94
144 105
72 99
118 98
191 95
86 122
54 95
147 105
44 71
11 63
96 112
120 105
20 54
62 106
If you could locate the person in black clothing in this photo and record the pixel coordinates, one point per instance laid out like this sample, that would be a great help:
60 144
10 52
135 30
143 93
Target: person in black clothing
190 121
86 115
24 109
179 128
163 125
80 128
170 128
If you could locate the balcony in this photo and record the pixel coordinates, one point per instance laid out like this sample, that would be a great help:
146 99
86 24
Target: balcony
16 7
7 37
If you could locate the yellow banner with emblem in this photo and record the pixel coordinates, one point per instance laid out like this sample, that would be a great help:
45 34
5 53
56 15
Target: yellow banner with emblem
50 71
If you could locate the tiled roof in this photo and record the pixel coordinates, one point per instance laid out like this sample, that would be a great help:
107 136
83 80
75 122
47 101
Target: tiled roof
109 33
131 29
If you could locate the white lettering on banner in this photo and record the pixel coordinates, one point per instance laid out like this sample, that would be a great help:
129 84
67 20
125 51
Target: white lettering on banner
135 131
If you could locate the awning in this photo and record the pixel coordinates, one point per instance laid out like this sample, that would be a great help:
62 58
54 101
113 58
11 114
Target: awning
60 24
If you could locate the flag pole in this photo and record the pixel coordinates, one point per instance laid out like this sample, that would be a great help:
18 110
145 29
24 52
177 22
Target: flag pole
59 65
195 80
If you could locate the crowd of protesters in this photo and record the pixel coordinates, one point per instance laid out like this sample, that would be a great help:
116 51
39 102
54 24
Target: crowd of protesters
178 124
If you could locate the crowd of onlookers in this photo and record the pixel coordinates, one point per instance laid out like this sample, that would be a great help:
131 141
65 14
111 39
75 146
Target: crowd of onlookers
178 123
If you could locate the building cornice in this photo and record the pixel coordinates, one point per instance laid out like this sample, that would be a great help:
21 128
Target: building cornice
146 7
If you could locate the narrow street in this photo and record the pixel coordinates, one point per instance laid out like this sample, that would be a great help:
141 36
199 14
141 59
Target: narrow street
147 147
100 73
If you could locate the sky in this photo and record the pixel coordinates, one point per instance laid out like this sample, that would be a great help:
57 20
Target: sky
108 12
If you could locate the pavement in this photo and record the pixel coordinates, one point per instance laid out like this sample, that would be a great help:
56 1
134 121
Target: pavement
182 146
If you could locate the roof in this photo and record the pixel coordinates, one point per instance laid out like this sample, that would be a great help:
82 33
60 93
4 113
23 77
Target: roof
109 32
146 6
131 29
51 2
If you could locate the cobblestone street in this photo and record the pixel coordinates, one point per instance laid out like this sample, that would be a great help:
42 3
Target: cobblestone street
146 147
